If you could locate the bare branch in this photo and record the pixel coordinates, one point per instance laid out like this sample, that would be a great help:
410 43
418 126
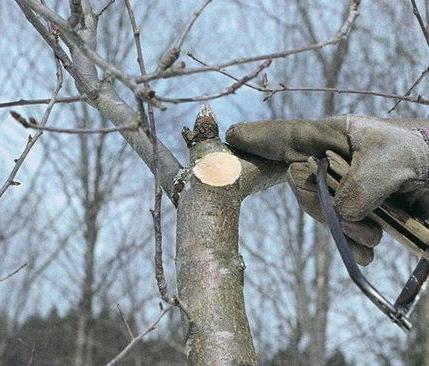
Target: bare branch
418 99
24 102
102 96
151 130
229 90
270 91
127 326
89 89
32 140
408 92
179 42
420 20
137 339
223 72
73 131
426 35
71 37
104 8
172 54
13 273
341 35
136 32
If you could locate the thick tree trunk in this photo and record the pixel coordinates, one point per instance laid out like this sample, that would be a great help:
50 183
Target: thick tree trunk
210 270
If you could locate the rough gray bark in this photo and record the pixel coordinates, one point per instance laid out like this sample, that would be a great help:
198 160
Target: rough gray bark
210 270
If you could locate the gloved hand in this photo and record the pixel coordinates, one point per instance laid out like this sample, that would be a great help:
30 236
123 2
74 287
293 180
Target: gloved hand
387 157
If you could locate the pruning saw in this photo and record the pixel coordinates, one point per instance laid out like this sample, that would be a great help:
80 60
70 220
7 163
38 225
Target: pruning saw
410 231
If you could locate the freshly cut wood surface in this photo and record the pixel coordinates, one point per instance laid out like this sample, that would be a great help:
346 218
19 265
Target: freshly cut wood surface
218 169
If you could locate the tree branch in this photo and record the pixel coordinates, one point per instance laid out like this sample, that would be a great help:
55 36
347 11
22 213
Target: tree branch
73 131
340 35
408 92
24 102
102 96
2 279
229 90
181 39
420 20
137 339
32 140
161 282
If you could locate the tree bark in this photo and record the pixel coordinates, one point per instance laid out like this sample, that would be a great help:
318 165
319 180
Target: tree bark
210 270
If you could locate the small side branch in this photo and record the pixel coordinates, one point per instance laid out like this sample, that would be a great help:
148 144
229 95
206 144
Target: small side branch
13 273
264 88
24 102
31 123
150 130
338 37
417 99
420 20
408 92
104 8
32 140
179 42
127 325
33 354
137 339
229 90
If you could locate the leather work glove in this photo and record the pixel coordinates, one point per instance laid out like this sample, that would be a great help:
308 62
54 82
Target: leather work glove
388 157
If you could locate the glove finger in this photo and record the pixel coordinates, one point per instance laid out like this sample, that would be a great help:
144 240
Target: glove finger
287 141
303 183
362 255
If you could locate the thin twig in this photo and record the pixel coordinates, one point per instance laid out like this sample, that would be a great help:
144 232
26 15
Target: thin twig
13 273
89 89
136 32
270 91
156 212
172 54
127 326
24 102
426 35
137 339
81 131
418 99
104 8
32 140
227 91
223 72
339 36
181 39
72 131
408 92
420 20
